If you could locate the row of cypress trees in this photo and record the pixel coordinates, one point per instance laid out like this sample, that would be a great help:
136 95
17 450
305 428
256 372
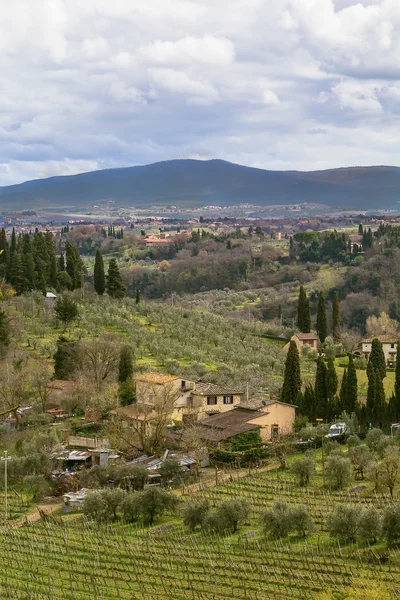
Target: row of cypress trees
304 316
30 262
323 401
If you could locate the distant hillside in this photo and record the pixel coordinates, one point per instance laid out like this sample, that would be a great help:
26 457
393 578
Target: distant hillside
200 183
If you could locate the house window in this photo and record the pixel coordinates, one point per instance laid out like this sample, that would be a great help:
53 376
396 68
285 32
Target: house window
183 384
211 400
228 399
392 345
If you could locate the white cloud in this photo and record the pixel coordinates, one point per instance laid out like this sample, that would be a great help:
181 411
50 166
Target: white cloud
289 84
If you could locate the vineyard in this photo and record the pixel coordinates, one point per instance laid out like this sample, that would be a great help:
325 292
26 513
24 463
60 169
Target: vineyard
71 559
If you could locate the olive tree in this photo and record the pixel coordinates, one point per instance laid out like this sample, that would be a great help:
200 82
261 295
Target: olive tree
344 522
337 471
303 468
195 513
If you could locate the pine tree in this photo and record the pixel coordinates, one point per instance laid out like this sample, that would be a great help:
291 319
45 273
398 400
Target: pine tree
377 357
321 318
99 275
303 312
137 295
352 387
115 284
336 318
292 378
321 392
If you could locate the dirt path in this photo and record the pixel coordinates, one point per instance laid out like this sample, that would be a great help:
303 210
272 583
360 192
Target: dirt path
35 514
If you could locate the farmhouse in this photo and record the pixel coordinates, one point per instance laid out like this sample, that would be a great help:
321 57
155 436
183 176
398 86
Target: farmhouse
389 346
270 417
187 400
302 340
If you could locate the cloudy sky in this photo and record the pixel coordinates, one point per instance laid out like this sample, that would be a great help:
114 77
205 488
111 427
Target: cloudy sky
277 84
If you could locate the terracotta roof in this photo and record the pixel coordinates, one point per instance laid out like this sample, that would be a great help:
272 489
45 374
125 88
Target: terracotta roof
306 336
156 378
385 339
209 389
259 403
227 424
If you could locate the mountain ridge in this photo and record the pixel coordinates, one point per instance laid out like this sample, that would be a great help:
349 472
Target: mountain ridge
191 182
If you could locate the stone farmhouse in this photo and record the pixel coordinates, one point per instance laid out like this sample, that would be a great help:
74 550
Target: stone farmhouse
186 401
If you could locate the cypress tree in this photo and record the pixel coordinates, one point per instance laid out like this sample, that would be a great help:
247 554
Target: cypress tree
74 266
331 379
53 271
321 392
377 357
309 403
99 276
292 378
303 312
321 318
66 358
137 295
4 330
343 392
336 318
352 387
395 401
61 263
125 366
371 393
380 402
115 284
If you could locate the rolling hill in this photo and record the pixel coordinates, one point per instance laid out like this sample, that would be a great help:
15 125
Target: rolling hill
213 182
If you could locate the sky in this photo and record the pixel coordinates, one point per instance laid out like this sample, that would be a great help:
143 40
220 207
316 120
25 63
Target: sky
275 84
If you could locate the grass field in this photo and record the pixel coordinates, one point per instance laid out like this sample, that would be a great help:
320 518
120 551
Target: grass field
68 558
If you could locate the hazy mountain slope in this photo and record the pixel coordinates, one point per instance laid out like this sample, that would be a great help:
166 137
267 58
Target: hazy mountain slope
192 182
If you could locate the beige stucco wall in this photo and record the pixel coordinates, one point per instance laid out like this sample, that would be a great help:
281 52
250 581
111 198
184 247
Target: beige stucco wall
282 415
200 408
389 352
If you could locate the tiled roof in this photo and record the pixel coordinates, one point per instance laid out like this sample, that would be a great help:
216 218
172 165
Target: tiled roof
306 336
209 389
385 339
156 377
227 424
